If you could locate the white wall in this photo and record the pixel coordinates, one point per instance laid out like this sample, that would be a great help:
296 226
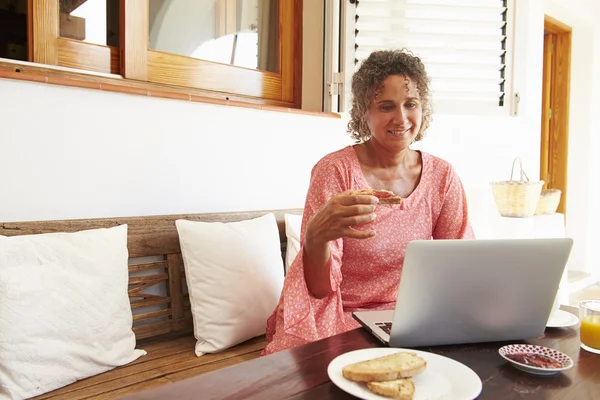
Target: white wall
593 234
95 154
73 153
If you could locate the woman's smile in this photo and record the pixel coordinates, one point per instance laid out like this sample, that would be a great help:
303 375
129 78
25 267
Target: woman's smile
400 133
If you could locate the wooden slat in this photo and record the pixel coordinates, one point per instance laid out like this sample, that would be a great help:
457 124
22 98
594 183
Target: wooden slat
147 266
175 287
88 56
148 279
45 31
150 301
151 315
134 39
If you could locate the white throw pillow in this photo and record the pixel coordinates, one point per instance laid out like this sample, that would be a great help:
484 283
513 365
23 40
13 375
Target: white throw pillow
293 224
234 274
64 309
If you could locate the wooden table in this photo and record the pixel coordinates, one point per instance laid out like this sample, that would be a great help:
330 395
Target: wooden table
301 373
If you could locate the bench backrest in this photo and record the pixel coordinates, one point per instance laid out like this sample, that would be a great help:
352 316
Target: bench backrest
157 287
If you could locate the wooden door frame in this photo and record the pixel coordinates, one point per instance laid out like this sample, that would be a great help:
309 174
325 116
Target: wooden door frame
555 108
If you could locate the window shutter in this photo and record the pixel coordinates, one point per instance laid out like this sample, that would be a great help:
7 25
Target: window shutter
462 43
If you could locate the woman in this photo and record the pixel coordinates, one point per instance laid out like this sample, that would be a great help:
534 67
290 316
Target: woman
352 248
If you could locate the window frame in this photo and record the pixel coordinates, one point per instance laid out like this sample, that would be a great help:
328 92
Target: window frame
48 47
134 61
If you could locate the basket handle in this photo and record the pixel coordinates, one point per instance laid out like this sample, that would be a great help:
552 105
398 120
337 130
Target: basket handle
523 174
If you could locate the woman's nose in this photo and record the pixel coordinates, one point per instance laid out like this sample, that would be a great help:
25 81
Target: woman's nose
400 116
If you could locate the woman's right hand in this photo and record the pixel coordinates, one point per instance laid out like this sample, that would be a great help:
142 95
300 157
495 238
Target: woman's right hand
336 218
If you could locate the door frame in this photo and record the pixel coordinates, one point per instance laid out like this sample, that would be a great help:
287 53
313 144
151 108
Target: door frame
555 108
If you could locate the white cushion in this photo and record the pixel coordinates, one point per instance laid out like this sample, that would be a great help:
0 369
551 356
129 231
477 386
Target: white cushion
234 274
64 309
293 224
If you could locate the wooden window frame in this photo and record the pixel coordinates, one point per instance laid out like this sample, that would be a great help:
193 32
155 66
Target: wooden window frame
136 63
47 47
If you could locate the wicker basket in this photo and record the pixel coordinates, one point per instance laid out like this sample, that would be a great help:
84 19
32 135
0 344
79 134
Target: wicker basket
517 198
548 202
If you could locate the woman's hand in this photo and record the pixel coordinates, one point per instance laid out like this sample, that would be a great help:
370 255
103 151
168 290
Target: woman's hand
332 221
336 218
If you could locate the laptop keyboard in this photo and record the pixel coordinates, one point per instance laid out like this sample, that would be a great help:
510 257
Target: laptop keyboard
385 326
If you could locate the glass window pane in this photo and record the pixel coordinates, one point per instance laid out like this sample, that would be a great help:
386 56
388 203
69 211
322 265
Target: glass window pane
243 33
13 29
91 21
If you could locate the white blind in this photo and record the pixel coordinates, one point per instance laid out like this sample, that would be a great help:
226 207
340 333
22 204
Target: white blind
461 42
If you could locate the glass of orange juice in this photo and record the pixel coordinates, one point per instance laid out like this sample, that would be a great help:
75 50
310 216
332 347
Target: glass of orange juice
589 315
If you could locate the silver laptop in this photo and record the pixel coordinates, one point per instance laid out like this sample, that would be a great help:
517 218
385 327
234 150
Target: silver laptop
472 291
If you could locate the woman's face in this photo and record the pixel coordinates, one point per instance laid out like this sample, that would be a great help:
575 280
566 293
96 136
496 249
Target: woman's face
395 114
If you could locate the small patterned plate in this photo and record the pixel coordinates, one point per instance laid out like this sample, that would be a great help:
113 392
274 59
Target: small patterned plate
534 359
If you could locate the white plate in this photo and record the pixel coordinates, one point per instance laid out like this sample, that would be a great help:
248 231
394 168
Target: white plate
444 378
561 319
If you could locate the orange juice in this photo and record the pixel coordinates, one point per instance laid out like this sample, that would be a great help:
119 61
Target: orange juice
590 331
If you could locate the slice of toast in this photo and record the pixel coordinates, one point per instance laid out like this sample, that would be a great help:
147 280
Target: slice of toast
384 196
400 389
386 368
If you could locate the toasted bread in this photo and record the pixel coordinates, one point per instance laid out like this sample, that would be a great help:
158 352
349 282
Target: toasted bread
401 389
384 196
386 368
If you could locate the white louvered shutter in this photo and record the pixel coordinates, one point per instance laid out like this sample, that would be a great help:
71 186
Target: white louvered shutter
463 44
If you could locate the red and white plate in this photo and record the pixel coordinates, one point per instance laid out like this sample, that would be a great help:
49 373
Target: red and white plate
535 359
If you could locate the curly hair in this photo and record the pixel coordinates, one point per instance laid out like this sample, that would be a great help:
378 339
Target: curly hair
369 78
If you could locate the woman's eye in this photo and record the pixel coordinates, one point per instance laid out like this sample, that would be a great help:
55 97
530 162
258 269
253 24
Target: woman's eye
387 108
411 105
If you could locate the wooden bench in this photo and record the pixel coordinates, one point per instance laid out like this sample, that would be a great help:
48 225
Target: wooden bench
159 301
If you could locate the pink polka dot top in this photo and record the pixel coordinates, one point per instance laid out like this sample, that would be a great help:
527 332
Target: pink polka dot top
365 273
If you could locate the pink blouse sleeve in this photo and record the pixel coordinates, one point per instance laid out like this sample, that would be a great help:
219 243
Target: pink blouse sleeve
306 317
453 221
